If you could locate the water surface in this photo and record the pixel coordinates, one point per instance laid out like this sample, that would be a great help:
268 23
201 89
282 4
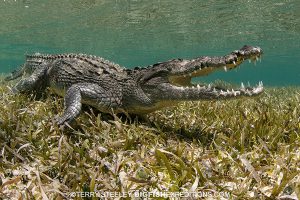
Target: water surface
140 32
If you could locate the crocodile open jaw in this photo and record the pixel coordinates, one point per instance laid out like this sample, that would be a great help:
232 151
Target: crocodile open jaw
205 65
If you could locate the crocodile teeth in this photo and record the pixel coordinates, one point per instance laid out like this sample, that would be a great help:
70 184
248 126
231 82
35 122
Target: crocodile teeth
249 61
257 90
198 86
234 92
225 68
223 93
234 62
242 86
209 86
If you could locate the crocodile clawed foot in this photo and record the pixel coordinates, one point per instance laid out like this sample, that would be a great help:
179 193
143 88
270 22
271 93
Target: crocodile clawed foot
62 122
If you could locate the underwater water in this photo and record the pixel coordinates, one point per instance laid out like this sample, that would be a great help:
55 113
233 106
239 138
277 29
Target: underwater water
141 32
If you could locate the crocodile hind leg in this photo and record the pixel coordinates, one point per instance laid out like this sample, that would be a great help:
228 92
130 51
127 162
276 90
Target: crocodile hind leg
90 94
33 82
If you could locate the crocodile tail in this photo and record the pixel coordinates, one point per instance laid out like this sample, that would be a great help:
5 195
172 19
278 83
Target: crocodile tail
15 74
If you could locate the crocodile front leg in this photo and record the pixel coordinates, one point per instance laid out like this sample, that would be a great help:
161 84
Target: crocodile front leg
91 94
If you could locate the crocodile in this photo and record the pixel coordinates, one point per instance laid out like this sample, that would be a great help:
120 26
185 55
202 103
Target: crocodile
111 88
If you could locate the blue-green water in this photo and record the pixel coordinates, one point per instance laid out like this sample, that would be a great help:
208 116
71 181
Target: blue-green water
144 32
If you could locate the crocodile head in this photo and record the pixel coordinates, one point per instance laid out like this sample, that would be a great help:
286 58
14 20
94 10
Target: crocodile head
171 81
